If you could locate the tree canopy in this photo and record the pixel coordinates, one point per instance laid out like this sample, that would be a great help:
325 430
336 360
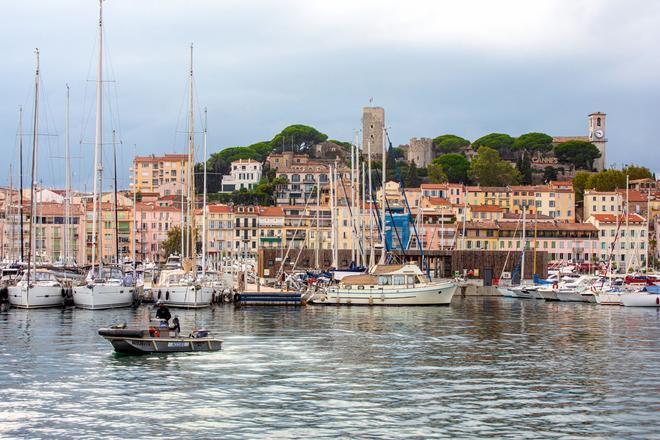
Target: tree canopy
449 143
500 142
172 244
532 142
579 153
411 179
436 173
488 169
299 138
637 172
606 180
454 167
524 166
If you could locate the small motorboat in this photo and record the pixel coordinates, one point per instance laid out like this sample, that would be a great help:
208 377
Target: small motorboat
158 338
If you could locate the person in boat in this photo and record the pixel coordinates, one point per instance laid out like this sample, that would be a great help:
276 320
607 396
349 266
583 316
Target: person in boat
176 326
163 312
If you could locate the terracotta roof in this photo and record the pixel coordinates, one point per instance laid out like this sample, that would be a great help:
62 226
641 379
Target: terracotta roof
153 206
559 139
536 216
239 161
271 211
613 218
646 179
168 157
433 186
485 208
219 208
438 201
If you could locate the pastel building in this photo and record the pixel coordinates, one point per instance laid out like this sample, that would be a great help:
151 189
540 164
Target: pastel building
244 174
625 239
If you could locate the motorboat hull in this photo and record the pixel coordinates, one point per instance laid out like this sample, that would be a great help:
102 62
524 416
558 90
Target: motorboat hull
100 296
608 298
35 297
135 343
189 297
548 295
568 296
640 299
436 294
518 292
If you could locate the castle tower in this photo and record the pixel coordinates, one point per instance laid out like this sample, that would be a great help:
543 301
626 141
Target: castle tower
373 122
420 151
597 137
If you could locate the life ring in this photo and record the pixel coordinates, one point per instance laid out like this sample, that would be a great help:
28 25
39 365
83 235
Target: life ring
555 285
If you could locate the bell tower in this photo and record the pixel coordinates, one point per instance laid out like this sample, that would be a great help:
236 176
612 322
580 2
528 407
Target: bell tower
597 137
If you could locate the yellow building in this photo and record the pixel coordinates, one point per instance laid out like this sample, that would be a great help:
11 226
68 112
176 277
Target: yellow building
163 174
487 195
555 202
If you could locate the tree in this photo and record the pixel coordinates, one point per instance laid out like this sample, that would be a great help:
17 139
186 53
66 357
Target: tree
489 170
532 142
549 173
524 166
436 173
579 153
637 172
502 143
299 138
454 166
172 244
412 180
449 143
606 180
580 183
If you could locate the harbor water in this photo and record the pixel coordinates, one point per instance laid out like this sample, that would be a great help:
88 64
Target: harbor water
482 367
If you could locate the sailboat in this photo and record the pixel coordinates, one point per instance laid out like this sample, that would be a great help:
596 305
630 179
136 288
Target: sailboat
522 291
37 288
180 287
105 286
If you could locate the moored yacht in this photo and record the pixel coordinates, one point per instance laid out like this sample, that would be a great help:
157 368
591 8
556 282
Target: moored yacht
389 285
179 288
42 290
105 288
649 297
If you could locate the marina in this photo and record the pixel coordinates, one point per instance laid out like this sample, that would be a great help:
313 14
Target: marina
492 367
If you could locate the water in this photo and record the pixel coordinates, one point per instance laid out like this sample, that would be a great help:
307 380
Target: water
482 367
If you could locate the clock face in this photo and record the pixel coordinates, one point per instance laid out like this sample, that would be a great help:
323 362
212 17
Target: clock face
599 133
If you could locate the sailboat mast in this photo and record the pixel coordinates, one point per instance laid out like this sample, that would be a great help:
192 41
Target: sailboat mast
97 217
333 232
114 158
67 199
135 213
524 244
204 201
383 253
372 255
35 151
190 245
353 235
20 179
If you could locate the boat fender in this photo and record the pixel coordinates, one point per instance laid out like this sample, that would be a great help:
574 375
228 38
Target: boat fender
63 293
657 299
237 298
159 293
167 295
213 297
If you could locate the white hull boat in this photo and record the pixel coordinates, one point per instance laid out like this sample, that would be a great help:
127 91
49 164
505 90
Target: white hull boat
35 297
608 298
521 292
570 296
389 285
103 296
641 299
191 297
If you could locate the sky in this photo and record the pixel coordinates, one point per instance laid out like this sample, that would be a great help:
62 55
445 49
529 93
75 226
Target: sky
467 68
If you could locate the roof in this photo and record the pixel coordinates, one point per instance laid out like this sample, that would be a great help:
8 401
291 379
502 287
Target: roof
438 201
219 208
168 157
646 179
560 139
153 206
239 161
434 186
271 211
486 208
536 216
614 218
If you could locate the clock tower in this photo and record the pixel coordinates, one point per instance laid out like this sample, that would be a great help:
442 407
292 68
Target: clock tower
597 137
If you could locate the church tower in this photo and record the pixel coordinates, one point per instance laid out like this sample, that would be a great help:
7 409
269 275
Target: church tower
597 137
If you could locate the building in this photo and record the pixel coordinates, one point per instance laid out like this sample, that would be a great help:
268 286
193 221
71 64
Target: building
596 130
162 174
544 199
245 240
116 235
453 192
244 174
646 186
271 226
625 239
373 126
219 231
419 151
614 202
154 220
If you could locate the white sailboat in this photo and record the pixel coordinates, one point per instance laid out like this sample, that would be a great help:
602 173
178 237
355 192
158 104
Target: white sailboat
105 286
522 290
37 288
180 287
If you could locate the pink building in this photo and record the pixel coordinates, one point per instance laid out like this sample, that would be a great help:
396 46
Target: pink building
154 220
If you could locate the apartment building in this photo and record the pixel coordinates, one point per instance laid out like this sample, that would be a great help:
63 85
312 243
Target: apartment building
625 238
165 174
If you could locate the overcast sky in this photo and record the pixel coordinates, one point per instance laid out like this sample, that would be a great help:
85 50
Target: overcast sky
468 68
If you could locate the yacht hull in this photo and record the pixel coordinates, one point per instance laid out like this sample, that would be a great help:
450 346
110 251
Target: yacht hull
570 297
439 294
189 297
608 298
99 297
640 300
36 297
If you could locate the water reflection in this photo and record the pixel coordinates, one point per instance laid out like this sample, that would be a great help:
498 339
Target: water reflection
482 367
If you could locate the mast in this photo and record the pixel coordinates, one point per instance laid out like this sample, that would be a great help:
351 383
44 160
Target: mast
10 199
97 216
204 201
372 255
363 224
20 179
353 235
190 242
383 252
333 232
318 239
135 213
35 151
114 159
627 262
67 197
524 245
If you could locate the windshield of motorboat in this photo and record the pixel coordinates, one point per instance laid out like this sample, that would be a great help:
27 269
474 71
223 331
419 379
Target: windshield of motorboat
44 276
177 278
108 273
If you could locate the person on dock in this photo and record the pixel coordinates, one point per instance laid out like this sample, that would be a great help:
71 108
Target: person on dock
163 312
176 326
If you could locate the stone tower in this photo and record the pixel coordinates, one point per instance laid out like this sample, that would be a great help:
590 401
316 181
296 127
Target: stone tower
373 122
420 151
597 137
